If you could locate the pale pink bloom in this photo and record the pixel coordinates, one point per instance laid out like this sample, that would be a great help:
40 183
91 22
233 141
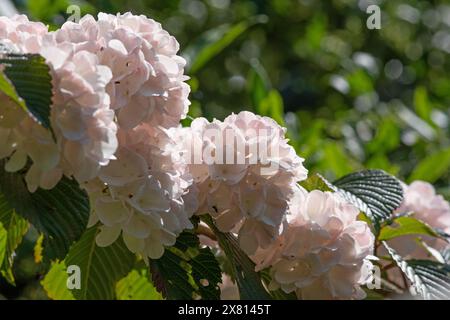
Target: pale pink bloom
81 119
323 250
147 83
146 194
19 34
244 194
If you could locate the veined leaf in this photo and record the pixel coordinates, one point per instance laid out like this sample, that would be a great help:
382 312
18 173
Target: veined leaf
186 271
211 43
136 286
406 225
428 278
60 213
15 228
26 80
100 268
374 192
243 269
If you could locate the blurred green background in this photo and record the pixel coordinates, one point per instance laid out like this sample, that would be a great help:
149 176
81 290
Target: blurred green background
350 97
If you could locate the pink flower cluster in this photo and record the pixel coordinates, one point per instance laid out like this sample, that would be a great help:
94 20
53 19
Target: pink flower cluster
145 193
20 136
119 94
323 251
118 89
81 116
248 194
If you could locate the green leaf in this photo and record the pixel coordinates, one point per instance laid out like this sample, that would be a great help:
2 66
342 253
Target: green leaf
3 242
432 167
60 213
243 269
186 271
428 278
55 282
214 41
374 192
136 286
406 225
28 83
315 182
101 268
15 228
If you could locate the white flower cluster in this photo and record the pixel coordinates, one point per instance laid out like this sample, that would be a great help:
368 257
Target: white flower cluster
81 117
118 89
118 98
245 172
323 251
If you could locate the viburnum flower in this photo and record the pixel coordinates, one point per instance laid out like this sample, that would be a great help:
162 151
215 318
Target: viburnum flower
323 251
21 35
147 83
245 171
146 194
421 200
81 117
20 136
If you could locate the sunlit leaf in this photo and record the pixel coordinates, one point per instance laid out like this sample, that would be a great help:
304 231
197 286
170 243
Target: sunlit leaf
404 226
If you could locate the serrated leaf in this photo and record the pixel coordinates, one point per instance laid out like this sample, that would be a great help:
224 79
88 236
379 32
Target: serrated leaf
28 83
374 192
214 41
55 282
243 269
435 276
15 228
406 225
60 213
38 249
428 278
186 271
136 286
101 268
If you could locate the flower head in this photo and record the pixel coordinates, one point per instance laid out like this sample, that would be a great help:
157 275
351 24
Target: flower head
245 172
323 250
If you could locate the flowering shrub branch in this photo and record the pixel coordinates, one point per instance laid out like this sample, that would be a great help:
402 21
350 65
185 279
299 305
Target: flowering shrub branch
95 158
